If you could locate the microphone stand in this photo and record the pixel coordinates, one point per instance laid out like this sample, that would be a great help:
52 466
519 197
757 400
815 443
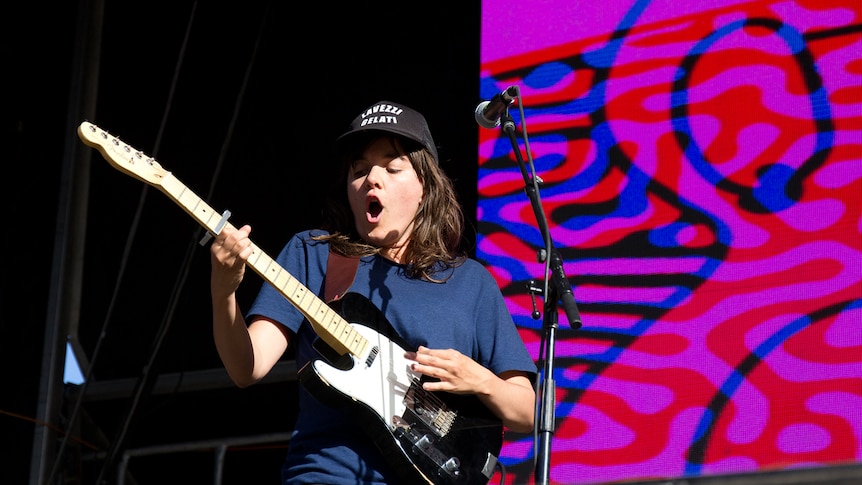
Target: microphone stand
556 289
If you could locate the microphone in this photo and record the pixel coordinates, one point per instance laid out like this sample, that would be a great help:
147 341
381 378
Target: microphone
488 113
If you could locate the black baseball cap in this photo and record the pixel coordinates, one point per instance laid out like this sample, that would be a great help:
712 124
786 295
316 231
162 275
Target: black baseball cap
393 118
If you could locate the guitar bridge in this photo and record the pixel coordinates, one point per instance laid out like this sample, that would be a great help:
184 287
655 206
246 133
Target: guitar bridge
429 408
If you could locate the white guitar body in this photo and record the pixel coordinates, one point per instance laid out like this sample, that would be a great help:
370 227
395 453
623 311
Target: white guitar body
381 386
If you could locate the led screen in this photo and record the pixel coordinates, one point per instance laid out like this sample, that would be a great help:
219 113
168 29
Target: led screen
701 178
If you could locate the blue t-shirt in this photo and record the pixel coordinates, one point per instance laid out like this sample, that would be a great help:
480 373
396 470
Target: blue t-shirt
466 312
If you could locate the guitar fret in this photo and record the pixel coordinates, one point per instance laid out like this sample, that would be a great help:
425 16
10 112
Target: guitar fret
175 189
359 343
208 217
342 329
192 203
289 286
347 334
254 259
302 294
316 308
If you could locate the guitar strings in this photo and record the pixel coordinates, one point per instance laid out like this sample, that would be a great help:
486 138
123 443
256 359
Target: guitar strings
444 418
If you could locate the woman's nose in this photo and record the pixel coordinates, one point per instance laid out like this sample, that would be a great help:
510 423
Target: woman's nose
373 179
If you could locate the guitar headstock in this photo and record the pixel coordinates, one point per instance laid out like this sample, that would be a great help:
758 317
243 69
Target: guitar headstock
122 156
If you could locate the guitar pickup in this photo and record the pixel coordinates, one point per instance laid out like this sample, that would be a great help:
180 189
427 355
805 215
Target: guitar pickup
424 444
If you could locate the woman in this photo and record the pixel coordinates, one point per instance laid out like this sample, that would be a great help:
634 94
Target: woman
394 214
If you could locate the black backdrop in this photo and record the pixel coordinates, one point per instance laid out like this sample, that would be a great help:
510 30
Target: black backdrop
240 101
241 104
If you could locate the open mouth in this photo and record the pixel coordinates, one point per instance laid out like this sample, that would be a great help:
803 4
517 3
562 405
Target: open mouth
374 210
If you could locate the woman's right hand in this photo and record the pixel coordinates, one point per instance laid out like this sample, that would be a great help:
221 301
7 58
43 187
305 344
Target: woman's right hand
229 251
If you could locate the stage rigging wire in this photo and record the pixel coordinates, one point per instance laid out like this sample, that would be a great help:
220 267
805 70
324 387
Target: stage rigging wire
146 380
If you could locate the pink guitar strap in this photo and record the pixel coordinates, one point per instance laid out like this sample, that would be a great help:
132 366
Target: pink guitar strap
340 273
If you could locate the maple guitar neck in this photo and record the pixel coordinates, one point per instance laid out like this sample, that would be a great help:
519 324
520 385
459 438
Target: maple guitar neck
327 323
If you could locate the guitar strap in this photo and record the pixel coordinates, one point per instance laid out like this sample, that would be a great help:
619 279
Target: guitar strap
340 273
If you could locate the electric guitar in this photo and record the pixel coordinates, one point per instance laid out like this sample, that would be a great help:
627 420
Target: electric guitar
436 438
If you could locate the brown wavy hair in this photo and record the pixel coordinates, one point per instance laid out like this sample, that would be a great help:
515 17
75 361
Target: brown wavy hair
435 243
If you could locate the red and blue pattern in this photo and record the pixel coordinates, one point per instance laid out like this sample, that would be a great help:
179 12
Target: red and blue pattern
702 180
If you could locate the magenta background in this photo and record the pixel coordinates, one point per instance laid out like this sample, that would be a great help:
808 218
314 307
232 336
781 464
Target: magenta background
703 182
